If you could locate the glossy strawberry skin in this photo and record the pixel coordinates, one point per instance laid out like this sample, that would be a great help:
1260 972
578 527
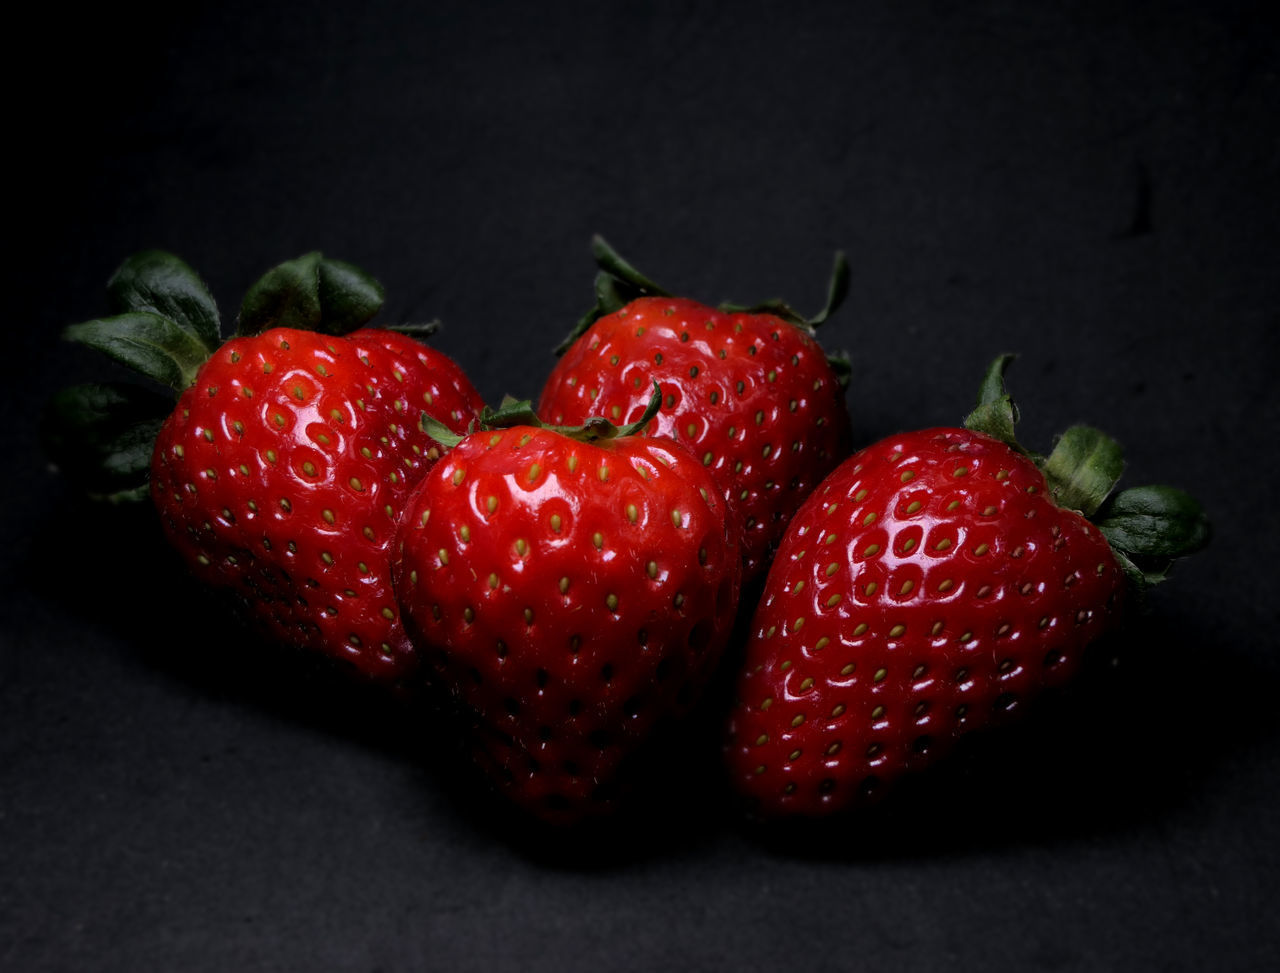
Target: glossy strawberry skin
572 597
751 396
928 588
281 475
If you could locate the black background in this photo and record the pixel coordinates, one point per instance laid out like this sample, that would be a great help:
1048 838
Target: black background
1093 185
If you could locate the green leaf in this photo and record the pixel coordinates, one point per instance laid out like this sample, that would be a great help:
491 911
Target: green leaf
438 431
1141 577
349 297
842 365
101 437
510 412
1083 468
521 412
995 414
776 306
637 427
608 299
609 295
837 290
286 296
311 293
152 344
156 281
1159 522
419 331
611 262
617 284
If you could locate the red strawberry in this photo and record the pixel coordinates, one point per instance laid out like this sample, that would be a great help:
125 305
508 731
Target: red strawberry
933 584
748 392
574 590
281 473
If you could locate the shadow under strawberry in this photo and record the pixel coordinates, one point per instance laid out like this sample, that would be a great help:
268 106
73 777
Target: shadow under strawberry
174 627
144 597
1142 734
672 804
1137 739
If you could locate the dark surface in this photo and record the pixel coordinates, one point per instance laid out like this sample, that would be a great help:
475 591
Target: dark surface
1096 188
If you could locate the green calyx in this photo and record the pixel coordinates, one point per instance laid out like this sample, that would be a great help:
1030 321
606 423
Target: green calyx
1148 527
100 436
166 324
520 412
311 293
618 283
163 326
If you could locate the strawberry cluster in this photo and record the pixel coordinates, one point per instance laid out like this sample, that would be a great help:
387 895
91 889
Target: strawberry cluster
566 578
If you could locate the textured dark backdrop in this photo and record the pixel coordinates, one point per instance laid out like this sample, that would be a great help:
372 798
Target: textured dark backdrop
1095 186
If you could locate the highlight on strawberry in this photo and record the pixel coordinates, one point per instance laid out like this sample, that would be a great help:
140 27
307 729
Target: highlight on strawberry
281 471
573 588
747 390
933 585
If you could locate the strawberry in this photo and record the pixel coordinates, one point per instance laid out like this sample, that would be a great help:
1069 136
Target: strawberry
748 391
934 584
281 472
574 589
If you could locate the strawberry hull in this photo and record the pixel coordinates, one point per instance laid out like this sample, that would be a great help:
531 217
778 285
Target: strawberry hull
929 587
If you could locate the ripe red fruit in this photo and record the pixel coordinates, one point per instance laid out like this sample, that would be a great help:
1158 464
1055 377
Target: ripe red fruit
933 584
281 473
748 392
573 592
